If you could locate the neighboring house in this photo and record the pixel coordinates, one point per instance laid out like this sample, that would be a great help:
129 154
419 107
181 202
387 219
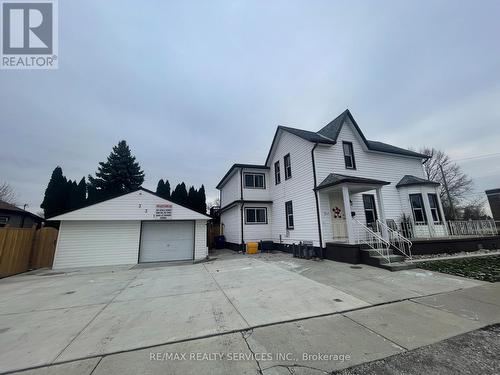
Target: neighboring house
16 217
494 200
326 186
135 227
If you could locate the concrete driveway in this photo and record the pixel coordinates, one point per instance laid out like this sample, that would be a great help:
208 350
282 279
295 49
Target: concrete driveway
50 317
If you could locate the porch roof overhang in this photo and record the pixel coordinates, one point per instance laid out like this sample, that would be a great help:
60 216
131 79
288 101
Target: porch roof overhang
334 179
409 180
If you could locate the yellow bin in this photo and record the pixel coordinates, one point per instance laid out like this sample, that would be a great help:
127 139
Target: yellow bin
252 248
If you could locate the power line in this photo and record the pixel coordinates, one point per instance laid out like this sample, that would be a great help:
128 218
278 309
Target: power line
478 156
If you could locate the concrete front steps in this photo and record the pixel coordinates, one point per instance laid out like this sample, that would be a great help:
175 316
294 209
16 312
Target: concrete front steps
373 258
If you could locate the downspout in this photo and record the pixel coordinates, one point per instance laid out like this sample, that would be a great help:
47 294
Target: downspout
241 208
317 199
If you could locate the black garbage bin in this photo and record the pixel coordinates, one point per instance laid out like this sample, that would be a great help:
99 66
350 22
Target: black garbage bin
220 242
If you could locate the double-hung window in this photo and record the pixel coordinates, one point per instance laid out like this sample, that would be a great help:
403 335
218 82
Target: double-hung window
433 204
255 181
370 209
289 215
288 166
255 215
350 163
417 207
277 175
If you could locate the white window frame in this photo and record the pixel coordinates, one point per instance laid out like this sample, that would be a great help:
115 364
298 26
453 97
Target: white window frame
254 180
255 215
435 212
413 209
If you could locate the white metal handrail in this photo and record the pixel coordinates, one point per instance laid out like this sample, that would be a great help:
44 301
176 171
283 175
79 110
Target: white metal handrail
453 228
396 239
366 236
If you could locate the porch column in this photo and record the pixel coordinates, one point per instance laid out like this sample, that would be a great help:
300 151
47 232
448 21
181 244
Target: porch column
381 213
428 213
440 207
348 216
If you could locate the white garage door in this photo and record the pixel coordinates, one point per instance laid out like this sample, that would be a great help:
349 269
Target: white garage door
166 241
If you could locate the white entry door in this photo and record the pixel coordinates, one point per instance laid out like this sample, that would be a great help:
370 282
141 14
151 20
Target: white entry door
166 241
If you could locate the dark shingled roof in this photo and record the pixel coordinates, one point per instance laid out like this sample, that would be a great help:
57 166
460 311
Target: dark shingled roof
235 166
308 135
4 206
492 191
332 131
335 179
409 180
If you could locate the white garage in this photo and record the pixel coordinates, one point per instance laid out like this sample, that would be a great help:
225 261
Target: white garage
135 227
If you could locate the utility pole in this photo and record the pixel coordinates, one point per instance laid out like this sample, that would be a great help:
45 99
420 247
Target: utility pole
445 183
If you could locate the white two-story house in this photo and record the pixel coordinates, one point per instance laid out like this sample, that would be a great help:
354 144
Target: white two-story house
328 186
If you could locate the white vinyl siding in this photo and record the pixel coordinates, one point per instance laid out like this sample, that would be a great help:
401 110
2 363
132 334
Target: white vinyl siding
231 224
256 232
200 240
231 190
298 189
257 193
97 243
108 233
379 166
138 205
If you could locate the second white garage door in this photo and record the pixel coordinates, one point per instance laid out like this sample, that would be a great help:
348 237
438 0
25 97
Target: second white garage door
166 241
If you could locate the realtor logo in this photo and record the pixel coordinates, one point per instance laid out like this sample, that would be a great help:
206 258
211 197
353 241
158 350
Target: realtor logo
29 34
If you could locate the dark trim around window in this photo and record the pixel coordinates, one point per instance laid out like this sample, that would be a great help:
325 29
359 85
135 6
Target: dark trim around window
418 208
370 208
277 173
349 159
289 215
255 216
287 162
254 180
434 207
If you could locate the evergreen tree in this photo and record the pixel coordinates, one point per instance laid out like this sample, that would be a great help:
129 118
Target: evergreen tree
77 194
192 201
72 193
166 190
202 200
160 188
180 194
56 194
120 173
163 189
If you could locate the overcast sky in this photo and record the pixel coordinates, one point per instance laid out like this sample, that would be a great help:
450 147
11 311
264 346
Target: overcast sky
197 86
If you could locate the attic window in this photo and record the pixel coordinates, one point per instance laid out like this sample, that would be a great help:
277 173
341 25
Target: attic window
350 163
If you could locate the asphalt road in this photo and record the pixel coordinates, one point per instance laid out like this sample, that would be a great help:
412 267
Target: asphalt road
476 352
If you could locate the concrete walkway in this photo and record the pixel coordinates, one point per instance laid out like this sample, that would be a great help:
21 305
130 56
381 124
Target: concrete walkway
260 314
309 346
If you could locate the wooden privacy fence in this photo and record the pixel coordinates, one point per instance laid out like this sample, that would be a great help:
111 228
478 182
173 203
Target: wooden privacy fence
213 230
22 249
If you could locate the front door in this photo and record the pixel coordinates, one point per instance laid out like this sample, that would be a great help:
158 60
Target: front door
338 217
370 211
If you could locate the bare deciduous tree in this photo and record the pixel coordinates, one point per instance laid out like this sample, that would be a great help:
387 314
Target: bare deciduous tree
214 203
459 184
7 193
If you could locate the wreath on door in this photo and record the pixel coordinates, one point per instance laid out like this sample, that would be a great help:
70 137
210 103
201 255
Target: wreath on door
337 213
